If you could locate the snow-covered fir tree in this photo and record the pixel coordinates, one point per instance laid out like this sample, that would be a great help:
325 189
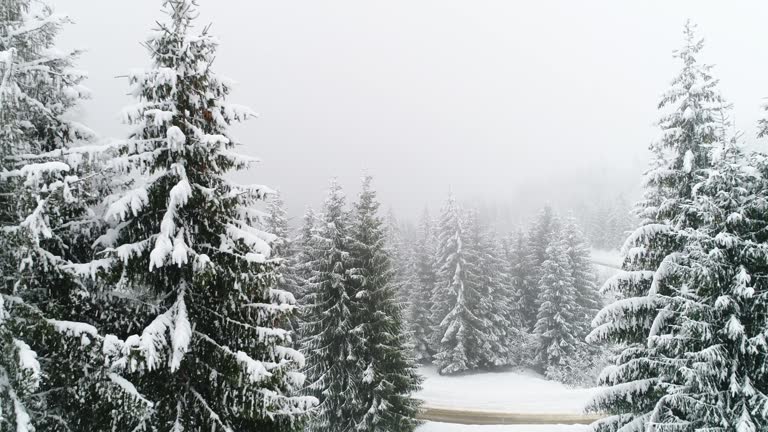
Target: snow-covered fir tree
557 325
540 234
712 333
522 271
399 248
652 254
213 353
52 365
383 398
301 264
285 249
420 306
486 275
522 274
457 336
582 366
588 299
334 368
276 223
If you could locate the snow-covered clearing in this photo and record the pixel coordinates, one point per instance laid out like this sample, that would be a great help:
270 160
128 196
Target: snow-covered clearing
515 391
449 427
607 263
606 258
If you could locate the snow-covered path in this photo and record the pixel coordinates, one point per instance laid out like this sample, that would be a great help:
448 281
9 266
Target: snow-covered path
520 391
448 427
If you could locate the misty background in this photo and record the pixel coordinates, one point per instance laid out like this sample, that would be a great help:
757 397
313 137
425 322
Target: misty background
506 105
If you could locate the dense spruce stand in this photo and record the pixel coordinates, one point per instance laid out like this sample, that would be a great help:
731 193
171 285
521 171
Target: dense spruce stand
143 290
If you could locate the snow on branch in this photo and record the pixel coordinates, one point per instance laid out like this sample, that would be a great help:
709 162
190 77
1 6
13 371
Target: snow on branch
181 334
23 420
286 354
642 234
288 405
84 331
281 297
34 172
130 250
625 391
254 369
153 341
211 413
240 161
667 268
129 388
28 362
614 283
256 240
165 243
130 203
622 314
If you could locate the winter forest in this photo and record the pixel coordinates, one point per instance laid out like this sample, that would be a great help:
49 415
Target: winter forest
158 280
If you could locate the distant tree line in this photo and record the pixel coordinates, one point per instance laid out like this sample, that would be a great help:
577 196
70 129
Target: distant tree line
606 222
479 300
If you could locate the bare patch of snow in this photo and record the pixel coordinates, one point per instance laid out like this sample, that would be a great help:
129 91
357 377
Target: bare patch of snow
450 427
517 391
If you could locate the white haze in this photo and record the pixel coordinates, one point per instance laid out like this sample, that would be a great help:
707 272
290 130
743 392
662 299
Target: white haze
509 103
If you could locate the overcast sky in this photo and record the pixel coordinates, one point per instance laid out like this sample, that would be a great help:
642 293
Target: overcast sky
508 101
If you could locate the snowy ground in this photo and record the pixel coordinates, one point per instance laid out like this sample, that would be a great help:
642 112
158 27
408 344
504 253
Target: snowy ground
607 263
611 258
448 427
514 391
519 391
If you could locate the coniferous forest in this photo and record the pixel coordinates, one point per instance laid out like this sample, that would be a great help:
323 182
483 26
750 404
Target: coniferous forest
145 290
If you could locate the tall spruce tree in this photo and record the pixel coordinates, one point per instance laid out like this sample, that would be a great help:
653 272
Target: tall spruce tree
486 275
714 328
404 277
277 224
284 248
52 366
588 299
557 325
384 394
580 367
523 278
334 368
651 274
420 306
541 233
301 264
457 333
213 331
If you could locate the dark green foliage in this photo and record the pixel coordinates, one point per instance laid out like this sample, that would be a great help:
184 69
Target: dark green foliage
653 264
389 376
53 373
332 347
214 350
